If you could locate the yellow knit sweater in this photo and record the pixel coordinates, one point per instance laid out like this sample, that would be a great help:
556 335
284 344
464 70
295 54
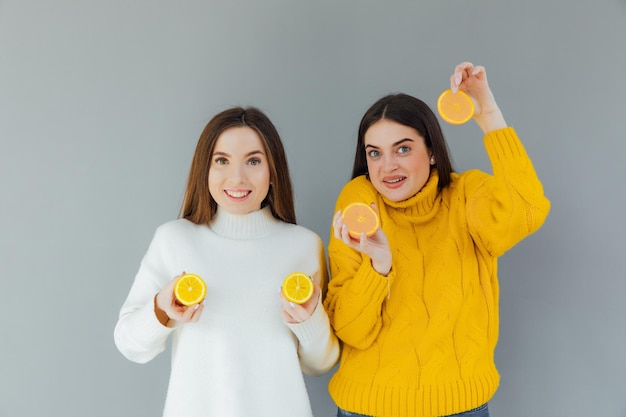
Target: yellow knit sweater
421 341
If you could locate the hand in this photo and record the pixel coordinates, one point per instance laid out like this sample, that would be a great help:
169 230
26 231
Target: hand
297 313
167 303
375 246
472 80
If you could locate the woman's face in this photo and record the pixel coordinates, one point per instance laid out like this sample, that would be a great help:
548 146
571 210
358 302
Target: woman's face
239 175
398 160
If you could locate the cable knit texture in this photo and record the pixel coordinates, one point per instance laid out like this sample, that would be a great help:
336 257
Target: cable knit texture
421 341
240 359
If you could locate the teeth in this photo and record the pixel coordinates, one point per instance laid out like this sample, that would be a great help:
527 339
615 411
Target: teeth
237 194
396 180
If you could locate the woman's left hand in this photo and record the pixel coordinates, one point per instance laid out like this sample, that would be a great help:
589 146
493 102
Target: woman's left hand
472 80
297 313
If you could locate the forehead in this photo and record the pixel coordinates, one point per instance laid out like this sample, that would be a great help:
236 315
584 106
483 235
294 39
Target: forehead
387 132
237 140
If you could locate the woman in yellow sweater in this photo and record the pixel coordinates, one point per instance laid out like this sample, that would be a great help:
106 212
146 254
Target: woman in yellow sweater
416 304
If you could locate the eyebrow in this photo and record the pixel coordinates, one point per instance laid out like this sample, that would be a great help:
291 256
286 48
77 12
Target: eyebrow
255 152
401 141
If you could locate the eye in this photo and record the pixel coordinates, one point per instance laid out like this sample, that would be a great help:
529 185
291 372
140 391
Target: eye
221 161
403 149
254 161
373 154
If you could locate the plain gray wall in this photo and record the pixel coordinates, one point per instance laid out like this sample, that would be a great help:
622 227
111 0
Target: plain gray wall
101 105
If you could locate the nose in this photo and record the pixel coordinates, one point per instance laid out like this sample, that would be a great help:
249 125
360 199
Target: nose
237 174
390 163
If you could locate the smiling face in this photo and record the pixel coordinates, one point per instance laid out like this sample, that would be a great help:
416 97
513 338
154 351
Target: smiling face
398 160
239 176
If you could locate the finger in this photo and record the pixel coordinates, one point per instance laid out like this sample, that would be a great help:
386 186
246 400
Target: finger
462 72
337 223
362 241
189 312
197 312
345 236
297 312
287 311
479 71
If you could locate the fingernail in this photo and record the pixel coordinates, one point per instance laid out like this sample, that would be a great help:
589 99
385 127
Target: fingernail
197 306
458 79
292 305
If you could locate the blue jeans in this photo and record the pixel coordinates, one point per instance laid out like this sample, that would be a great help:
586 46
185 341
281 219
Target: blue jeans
482 411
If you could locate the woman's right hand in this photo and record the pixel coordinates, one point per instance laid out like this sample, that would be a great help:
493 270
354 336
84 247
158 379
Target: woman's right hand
375 246
166 302
472 80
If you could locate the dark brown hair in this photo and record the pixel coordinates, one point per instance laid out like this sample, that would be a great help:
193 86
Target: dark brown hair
412 112
198 205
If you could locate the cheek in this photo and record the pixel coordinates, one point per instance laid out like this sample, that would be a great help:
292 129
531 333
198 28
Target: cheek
213 180
259 179
420 164
371 166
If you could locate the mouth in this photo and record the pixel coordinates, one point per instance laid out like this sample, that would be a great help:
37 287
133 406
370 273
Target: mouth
394 182
237 194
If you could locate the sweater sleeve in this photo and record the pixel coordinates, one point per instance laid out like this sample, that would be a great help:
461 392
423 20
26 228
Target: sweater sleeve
505 208
318 347
138 334
356 292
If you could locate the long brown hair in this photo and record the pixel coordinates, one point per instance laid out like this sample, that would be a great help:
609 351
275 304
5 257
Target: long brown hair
412 112
199 206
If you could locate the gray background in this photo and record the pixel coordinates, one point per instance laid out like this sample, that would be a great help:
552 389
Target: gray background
101 105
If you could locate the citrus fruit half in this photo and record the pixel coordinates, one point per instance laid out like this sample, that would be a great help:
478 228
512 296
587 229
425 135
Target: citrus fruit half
455 108
360 217
298 287
190 289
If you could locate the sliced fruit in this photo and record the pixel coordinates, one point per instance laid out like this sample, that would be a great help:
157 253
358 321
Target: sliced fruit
190 289
455 108
298 287
360 217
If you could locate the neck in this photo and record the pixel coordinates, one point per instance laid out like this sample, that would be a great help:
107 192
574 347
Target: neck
252 225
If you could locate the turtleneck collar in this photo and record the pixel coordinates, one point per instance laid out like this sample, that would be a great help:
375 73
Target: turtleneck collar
253 225
421 204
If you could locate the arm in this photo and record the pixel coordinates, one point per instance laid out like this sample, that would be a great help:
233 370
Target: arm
139 335
361 272
318 347
355 296
505 208
509 206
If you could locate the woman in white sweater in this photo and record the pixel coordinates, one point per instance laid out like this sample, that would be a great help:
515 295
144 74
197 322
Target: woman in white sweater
242 351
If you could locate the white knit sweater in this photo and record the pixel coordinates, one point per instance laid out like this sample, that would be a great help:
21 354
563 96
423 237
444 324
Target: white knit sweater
240 359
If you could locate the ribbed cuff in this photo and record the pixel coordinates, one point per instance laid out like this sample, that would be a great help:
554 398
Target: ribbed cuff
503 144
309 331
148 326
369 284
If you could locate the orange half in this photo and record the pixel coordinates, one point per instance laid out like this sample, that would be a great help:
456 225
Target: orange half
360 217
455 108
298 287
190 289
